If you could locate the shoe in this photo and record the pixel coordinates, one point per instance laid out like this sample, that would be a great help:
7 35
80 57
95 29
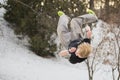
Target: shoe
89 11
60 13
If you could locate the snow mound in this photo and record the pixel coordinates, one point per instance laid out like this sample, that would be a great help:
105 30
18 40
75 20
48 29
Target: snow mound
17 62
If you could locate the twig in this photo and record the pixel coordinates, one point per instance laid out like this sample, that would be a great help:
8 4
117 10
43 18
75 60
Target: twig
26 6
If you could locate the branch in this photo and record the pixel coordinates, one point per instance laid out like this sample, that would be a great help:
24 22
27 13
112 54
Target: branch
26 6
1 34
96 53
90 76
117 40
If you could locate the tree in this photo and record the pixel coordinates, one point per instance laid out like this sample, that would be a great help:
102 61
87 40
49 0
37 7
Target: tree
91 4
107 8
38 20
107 50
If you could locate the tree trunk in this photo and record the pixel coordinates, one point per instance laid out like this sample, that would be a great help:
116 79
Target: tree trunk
91 4
107 9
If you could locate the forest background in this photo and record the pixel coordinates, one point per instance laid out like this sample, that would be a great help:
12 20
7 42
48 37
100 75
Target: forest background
38 19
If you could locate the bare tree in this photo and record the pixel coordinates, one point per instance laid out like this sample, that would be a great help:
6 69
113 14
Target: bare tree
116 47
107 52
117 36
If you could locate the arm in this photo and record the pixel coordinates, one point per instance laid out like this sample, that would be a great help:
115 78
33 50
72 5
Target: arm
88 32
64 53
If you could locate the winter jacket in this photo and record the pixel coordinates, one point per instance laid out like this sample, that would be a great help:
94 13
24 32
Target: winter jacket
73 58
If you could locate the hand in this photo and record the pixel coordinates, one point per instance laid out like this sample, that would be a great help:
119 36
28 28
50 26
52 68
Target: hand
63 53
88 32
72 49
87 28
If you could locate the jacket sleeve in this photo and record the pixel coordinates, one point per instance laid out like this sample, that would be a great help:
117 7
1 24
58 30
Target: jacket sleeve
87 40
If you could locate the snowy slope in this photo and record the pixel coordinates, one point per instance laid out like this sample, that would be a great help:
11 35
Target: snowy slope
19 63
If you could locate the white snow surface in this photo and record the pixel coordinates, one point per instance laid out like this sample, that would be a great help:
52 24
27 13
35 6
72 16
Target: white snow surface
17 62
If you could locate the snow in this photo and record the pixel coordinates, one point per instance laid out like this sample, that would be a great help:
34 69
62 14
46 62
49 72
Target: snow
97 31
104 73
17 62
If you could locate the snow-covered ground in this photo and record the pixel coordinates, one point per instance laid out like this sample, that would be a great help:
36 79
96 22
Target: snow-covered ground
17 62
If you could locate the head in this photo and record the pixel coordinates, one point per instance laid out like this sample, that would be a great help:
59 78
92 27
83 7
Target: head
83 50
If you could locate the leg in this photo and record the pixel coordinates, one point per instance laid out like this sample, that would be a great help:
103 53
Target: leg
76 28
63 31
77 24
88 18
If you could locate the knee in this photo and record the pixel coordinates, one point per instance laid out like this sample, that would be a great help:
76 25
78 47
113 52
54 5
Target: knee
73 20
76 21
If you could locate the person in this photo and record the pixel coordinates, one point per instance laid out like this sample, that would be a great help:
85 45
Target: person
78 49
74 43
